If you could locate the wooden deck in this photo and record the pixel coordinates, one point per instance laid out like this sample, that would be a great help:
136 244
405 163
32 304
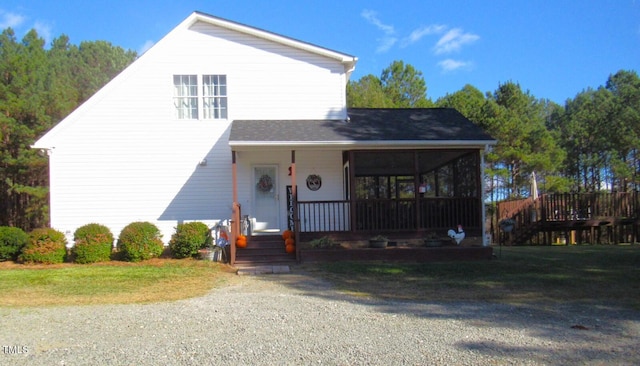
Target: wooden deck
577 218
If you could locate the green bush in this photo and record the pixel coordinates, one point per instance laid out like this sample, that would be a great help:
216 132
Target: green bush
92 244
46 246
12 240
188 238
140 241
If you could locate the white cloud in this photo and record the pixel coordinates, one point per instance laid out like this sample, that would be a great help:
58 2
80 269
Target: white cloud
148 44
450 65
417 34
385 43
44 31
372 17
10 20
453 40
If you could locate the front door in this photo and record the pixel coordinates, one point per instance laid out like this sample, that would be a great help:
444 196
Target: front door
265 199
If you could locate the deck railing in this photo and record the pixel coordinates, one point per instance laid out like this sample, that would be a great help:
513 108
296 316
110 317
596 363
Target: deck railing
568 211
324 216
388 214
573 206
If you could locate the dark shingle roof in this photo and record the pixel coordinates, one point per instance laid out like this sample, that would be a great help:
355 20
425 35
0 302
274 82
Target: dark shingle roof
365 125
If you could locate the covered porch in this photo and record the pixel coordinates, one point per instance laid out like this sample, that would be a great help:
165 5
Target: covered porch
409 182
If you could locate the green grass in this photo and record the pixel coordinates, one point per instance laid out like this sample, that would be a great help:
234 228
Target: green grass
586 274
108 283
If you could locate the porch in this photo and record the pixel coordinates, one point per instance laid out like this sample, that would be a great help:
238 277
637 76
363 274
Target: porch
401 173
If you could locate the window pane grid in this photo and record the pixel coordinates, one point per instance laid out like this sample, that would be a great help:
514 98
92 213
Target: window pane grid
214 96
186 98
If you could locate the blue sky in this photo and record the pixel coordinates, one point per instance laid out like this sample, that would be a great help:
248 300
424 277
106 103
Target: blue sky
553 48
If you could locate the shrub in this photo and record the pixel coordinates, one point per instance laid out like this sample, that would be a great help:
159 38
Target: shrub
188 238
12 240
92 244
46 246
140 241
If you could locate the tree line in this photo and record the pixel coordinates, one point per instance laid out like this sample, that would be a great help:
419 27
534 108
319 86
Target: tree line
590 144
39 86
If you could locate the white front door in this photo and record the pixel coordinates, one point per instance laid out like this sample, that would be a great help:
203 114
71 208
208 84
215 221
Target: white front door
265 199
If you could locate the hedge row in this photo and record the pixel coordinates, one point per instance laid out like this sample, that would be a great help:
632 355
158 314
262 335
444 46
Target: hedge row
94 243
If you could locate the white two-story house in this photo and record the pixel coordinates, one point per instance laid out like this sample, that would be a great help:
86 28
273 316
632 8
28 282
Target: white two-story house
220 119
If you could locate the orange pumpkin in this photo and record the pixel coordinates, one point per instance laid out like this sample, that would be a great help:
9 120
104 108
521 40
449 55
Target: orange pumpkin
289 241
290 248
241 242
287 234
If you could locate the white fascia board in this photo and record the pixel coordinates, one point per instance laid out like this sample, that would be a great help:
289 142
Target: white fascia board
348 60
481 144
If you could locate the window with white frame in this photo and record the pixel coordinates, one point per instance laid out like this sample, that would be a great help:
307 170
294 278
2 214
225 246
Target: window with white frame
214 96
186 99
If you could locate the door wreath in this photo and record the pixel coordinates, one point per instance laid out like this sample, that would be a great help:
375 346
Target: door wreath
265 183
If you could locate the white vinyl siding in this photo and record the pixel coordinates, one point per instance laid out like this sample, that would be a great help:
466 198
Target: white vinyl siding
123 156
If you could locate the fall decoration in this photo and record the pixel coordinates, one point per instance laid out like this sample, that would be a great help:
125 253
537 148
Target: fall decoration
290 248
241 241
289 241
287 234
265 183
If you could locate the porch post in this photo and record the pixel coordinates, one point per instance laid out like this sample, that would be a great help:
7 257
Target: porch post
352 191
481 188
294 194
416 189
235 216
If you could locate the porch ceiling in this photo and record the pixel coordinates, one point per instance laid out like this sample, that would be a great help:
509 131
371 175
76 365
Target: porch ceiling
430 127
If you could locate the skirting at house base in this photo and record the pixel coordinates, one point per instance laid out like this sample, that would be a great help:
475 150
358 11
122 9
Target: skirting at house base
400 254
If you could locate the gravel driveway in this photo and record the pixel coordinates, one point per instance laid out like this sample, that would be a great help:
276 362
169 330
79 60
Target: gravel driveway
294 319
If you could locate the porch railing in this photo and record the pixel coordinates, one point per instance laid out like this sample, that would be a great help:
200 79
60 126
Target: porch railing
324 216
388 214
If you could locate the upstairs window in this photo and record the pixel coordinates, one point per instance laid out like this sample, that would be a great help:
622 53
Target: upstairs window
185 96
214 96
192 101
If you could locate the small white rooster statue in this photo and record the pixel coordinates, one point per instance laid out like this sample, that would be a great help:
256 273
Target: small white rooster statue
456 236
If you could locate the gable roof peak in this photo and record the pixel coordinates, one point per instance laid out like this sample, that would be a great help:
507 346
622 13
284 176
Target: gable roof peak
197 16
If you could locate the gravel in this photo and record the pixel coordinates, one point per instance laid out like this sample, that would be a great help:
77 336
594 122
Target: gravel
294 319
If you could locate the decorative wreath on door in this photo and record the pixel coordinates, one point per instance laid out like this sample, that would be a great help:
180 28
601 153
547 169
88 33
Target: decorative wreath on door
265 183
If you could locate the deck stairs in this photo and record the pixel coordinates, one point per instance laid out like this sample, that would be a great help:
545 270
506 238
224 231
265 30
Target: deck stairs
262 251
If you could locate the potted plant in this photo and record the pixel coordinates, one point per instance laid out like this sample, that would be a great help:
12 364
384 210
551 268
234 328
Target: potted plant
378 241
432 240
507 225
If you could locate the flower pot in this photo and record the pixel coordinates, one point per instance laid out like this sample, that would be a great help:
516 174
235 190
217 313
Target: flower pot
432 242
378 243
206 254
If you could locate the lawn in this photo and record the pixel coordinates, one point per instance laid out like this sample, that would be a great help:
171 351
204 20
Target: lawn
550 275
109 283
585 274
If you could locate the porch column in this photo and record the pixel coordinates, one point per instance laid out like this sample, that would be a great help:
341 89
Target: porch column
294 194
482 198
416 190
235 212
